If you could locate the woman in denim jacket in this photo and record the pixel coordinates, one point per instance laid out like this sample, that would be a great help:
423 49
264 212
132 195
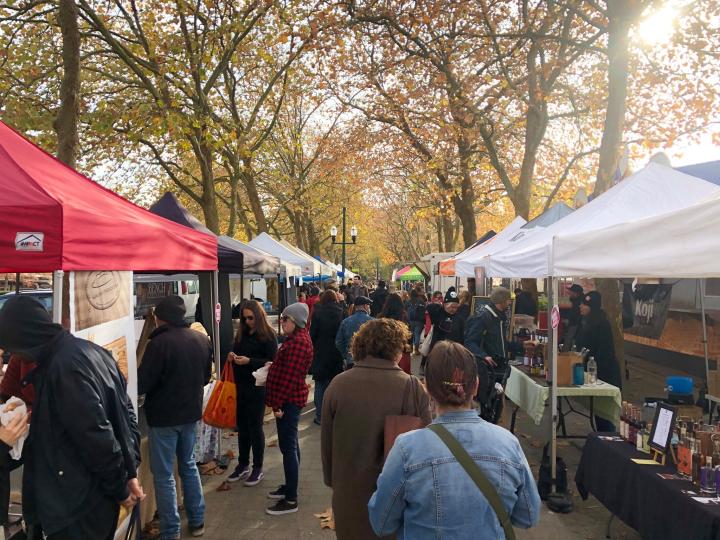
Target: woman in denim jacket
423 492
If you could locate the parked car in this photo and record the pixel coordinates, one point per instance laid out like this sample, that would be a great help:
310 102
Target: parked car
44 296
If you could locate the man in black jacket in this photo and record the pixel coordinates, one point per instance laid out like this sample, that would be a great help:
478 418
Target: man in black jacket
82 453
378 297
485 333
174 369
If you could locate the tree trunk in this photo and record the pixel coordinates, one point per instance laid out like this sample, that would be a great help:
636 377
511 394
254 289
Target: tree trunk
439 230
208 199
66 123
254 198
621 15
464 202
448 232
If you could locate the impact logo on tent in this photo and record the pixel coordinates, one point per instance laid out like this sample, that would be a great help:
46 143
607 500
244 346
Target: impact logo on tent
29 241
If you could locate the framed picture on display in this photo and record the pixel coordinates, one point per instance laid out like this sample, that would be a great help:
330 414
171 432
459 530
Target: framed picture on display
662 428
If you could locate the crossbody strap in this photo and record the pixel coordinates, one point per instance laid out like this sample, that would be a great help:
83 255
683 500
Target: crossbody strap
477 476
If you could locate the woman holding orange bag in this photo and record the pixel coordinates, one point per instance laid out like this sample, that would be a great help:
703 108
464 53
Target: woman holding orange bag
255 345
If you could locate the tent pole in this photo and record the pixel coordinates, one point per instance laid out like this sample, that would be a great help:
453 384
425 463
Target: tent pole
242 288
216 320
17 283
553 392
57 296
701 290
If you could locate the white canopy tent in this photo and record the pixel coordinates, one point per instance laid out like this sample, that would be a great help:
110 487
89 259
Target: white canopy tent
466 261
682 243
319 266
307 265
654 190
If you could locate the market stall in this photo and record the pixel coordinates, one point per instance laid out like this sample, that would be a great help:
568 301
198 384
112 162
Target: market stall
53 219
652 191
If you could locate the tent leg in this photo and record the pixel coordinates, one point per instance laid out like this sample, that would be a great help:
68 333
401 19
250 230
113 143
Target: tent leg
553 300
216 320
242 288
701 290
57 296
17 283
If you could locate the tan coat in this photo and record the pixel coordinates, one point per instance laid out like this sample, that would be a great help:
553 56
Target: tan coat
353 421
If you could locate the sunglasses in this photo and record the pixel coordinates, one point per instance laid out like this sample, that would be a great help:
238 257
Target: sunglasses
251 318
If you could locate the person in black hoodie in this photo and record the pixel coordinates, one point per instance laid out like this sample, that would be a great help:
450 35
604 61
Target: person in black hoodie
81 457
327 360
595 334
255 345
174 370
378 297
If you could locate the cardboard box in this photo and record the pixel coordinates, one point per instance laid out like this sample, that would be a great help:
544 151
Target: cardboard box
565 363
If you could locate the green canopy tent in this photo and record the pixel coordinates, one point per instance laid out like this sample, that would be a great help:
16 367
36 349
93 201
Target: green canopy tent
410 273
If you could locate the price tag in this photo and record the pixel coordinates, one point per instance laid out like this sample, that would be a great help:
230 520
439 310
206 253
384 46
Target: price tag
555 317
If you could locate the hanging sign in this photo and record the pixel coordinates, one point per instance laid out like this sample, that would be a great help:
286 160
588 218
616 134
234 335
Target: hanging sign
555 317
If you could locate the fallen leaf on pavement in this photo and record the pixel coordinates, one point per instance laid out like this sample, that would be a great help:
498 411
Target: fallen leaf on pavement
225 486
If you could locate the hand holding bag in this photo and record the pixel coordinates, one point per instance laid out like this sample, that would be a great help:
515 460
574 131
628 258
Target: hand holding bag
398 424
427 341
220 411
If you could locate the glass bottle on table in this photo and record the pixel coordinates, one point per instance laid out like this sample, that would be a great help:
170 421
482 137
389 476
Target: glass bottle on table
684 455
696 462
592 370
707 478
716 449
623 419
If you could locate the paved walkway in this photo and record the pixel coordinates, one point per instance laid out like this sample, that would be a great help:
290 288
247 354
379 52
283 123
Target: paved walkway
240 512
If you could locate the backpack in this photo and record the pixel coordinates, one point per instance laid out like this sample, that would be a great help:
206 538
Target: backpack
545 475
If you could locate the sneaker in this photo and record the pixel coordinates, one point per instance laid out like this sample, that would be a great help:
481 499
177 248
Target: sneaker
254 478
282 507
241 472
278 494
316 422
197 530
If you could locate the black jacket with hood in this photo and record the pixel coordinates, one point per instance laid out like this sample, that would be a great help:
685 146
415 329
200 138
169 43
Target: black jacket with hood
484 333
84 440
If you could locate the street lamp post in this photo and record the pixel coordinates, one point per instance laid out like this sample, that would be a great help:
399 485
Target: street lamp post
343 243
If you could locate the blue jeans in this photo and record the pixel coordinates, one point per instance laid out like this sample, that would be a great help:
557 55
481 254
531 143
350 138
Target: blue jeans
320 387
167 443
287 430
417 329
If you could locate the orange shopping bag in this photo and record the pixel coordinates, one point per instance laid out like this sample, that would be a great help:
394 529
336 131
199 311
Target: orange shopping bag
220 411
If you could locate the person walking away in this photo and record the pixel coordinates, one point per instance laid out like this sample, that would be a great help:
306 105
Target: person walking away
446 324
416 316
411 501
485 338
354 410
358 289
394 308
595 334
174 370
327 360
350 326
378 298
254 346
286 394
80 463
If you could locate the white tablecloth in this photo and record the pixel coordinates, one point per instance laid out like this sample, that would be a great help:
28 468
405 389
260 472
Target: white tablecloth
532 395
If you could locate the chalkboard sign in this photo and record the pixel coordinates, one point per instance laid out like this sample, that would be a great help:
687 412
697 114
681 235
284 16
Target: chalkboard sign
479 302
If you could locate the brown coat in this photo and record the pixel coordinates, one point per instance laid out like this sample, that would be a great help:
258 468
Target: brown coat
353 422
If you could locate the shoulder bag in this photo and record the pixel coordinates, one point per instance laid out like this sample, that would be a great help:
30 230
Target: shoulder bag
397 424
483 484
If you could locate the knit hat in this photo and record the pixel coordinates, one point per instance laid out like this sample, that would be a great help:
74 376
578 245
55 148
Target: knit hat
171 310
575 288
297 313
593 299
451 296
26 326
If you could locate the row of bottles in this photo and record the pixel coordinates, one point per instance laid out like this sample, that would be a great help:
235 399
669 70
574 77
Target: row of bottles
633 427
698 456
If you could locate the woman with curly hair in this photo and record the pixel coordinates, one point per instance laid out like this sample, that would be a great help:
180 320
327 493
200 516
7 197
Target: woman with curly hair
353 420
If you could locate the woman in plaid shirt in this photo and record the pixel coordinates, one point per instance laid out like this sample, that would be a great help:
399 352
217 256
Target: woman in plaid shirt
286 393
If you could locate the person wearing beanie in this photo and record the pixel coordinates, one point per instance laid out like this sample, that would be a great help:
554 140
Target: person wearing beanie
83 450
595 334
350 326
286 393
447 323
172 375
485 337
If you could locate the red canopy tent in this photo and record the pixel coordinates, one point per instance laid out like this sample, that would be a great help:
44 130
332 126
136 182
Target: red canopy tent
53 218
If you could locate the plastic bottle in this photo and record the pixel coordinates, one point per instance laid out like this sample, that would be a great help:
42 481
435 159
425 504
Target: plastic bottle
592 370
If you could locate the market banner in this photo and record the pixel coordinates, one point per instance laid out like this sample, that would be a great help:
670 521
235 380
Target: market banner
645 309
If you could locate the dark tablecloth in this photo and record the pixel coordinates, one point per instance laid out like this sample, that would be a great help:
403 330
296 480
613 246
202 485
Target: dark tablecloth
656 508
